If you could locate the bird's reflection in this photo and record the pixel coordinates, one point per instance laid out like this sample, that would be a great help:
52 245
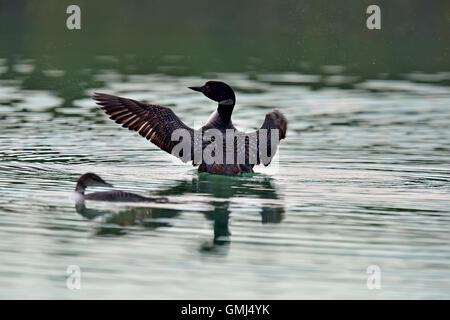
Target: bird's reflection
116 222
220 192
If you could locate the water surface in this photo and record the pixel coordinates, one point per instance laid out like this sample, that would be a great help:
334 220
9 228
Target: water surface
362 179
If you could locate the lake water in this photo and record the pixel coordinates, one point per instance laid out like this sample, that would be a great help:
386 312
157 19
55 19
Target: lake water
362 179
361 182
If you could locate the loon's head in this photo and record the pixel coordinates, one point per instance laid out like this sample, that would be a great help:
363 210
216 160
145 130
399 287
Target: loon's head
217 91
90 180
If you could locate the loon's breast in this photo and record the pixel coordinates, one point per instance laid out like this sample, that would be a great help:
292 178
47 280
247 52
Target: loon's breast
232 151
215 121
76 196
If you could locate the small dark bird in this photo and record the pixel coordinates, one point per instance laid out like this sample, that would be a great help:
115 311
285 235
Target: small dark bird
92 180
157 124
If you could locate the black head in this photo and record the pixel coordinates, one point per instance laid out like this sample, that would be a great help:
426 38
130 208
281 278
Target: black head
91 180
217 91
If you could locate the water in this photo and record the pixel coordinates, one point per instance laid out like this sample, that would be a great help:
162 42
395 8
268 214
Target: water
361 179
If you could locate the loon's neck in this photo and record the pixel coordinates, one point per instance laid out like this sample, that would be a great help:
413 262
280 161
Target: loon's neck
225 109
80 188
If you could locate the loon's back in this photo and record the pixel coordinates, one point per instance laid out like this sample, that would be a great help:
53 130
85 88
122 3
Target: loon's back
121 196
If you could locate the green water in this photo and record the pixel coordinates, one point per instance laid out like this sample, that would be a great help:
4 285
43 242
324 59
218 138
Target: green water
362 178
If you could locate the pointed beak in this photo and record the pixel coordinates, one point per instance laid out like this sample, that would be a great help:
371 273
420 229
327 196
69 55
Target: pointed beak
199 89
106 184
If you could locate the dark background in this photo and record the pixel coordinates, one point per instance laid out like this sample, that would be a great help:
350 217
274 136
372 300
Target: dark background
194 37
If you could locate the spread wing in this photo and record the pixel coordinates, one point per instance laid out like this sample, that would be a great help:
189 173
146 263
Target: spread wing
155 123
261 145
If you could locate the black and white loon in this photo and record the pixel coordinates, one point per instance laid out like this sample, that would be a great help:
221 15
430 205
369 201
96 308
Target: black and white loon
91 180
156 123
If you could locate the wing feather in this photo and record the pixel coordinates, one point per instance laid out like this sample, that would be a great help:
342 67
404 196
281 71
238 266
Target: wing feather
153 122
263 143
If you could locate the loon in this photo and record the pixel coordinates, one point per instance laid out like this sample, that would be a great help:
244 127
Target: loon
91 179
157 124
